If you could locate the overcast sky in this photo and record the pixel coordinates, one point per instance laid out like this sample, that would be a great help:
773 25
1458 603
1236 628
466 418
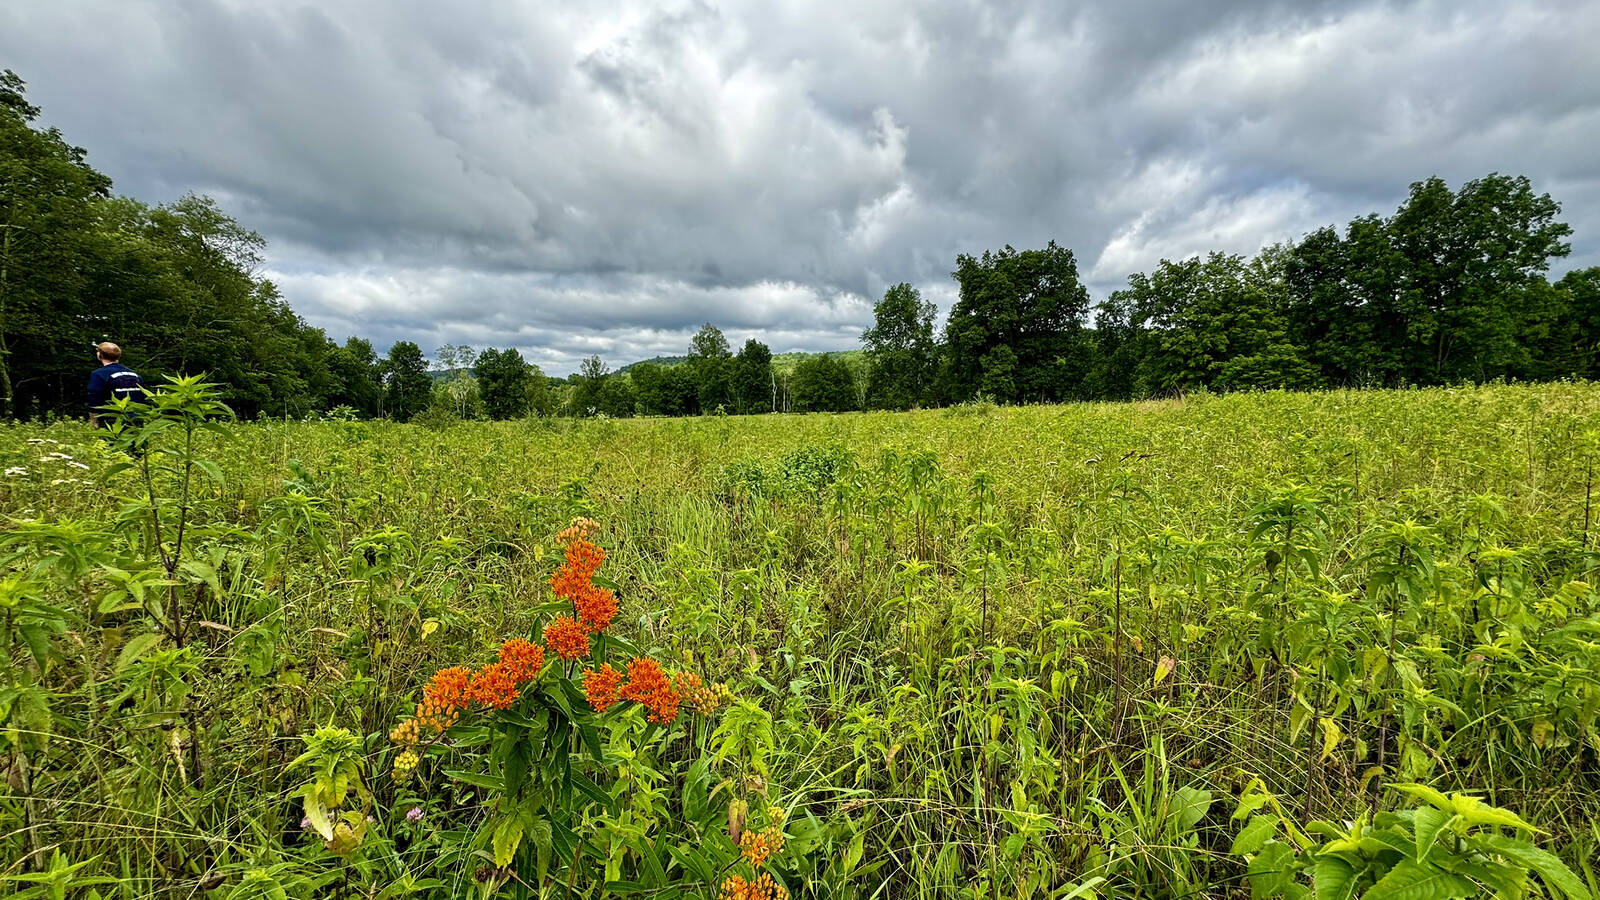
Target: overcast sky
604 176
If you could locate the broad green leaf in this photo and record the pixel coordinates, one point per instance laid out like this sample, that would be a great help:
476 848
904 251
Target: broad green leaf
1410 880
487 782
1253 835
1552 871
1330 736
1477 812
1426 794
507 838
1428 824
318 813
1334 878
538 829
1189 806
1271 871
135 648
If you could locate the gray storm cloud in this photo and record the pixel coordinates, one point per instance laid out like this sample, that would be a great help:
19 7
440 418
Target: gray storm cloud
602 177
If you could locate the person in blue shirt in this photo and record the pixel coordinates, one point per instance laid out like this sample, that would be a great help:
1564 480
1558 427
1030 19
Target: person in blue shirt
112 381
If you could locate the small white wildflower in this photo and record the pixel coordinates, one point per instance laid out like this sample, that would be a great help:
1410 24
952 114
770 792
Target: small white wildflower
16 472
43 441
78 465
59 456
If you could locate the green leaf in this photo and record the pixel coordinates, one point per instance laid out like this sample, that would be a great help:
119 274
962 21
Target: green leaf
1428 824
1330 736
212 470
1552 871
507 838
692 862
852 855
204 573
1477 812
317 813
1426 794
1189 806
1253 835
137 647
588 788
1334 878
538 828
38 641
1271 871
516 766
487 782
1410 880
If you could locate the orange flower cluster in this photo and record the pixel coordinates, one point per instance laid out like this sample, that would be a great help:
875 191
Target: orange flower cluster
452 690
758 846
596 608
574 582
648 686
444 698
522 658
602 687
583 559
567 638
493 686
762 887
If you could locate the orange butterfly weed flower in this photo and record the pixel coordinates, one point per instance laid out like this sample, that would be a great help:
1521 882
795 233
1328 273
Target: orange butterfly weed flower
573 578
762 887
567 638
758 846
493 686
443 698
522 658
602 687
648 686
596 608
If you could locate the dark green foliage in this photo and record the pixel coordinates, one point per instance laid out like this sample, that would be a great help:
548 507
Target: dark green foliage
823 384
354 376
1449 288
901 354
409 388
541 396
710 364
665 390
752 381
1029 302
596 390
1217 322
503 379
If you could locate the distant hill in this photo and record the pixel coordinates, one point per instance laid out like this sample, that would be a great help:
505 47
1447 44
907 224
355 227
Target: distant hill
781 362
656 361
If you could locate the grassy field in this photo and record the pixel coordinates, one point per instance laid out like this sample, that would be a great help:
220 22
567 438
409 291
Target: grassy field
1200 647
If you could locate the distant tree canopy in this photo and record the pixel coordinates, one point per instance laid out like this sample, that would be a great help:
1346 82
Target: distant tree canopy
823 384
1451 287
409 386
1017 331
902 357
503 383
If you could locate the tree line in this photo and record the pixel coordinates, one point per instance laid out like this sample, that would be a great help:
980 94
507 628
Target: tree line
1452 287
